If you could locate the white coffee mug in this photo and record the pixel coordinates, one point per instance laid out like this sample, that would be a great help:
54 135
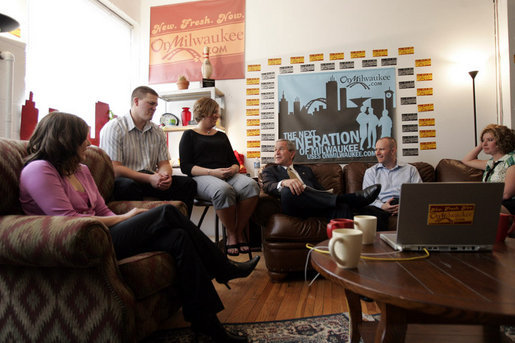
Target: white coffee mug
345 247
367 225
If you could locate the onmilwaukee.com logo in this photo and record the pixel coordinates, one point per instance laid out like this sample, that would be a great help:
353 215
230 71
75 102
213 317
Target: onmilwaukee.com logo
365 81
189 43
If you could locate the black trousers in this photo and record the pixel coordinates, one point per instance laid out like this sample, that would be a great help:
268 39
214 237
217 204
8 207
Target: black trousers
510 205
183 188
198 260
312 203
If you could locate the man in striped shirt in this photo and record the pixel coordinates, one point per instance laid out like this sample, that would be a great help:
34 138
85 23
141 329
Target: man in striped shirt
140 156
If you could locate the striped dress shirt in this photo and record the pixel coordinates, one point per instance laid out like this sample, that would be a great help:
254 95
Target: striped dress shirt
134 148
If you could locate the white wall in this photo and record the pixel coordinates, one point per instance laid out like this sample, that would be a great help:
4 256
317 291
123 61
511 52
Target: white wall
506 28
451 33
457 35
17 48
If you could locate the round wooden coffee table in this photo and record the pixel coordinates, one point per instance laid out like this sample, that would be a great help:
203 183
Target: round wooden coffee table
445 288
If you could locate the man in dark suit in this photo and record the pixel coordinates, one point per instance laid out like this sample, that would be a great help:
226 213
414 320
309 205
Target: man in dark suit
300 192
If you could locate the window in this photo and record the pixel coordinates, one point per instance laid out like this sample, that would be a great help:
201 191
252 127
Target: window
78 53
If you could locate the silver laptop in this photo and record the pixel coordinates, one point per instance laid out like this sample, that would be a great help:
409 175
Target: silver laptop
447 216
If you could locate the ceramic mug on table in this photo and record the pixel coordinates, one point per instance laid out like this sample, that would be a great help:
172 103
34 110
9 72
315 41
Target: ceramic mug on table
339 223
345 247
367 225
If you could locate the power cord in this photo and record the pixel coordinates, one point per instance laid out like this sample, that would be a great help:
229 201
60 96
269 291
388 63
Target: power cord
306 268
370 256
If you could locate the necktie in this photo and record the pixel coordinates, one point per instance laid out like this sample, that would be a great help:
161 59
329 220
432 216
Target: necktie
291 173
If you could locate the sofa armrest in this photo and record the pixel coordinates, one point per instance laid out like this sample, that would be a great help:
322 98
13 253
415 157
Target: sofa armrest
120 207
285 228
267 206
450 170
49 241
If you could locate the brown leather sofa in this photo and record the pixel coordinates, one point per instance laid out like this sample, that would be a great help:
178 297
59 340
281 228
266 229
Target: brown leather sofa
284 237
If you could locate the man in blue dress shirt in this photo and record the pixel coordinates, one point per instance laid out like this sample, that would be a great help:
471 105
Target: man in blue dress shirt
390 174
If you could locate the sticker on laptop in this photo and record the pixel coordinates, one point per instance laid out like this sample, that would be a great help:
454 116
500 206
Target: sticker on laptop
451 214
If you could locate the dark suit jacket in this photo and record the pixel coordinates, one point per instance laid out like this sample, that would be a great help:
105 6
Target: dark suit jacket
274 173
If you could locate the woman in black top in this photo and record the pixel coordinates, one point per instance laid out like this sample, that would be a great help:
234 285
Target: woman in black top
207 155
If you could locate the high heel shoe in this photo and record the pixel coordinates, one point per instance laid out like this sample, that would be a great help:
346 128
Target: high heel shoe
211 326
236 270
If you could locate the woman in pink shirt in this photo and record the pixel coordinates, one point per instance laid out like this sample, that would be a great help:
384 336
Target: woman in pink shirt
54 182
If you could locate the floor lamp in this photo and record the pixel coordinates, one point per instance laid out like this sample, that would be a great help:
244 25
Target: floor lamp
473 76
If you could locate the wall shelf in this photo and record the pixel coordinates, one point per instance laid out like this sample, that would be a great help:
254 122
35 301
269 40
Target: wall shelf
192 94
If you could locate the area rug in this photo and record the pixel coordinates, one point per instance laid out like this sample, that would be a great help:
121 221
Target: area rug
330 328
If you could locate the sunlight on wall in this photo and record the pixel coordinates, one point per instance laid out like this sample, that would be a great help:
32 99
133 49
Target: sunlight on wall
462 62
74 61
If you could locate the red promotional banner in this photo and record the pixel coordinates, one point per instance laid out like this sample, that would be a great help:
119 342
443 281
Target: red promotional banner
179 33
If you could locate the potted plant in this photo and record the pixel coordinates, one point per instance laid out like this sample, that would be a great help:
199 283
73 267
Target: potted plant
182 82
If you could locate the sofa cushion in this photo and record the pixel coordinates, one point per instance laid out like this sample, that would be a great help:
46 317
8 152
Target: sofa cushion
101 169
353 175
148 273
425 170
449 170
12 153
329 175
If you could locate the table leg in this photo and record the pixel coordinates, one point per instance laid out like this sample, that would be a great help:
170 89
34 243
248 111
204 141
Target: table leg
356 318
392 326
491 333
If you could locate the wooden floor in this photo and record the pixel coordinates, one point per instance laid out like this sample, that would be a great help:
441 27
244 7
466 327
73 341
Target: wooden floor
256 299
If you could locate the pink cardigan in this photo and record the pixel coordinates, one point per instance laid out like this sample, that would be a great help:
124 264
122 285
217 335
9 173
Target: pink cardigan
44 192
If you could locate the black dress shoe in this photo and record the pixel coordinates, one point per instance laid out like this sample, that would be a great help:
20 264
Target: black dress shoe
367 196
236 270
210 325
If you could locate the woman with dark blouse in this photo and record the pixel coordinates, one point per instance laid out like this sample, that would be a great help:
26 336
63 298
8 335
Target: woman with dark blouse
54 182
207 155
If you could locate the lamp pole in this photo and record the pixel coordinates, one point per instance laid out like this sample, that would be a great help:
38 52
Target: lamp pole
473 76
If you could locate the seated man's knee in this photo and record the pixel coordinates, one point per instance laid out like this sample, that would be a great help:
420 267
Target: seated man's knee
286 194
127 189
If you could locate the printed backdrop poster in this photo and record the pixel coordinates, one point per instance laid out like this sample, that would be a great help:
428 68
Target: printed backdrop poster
336 116
179 33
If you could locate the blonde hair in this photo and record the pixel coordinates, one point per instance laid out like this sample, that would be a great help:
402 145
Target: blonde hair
203 108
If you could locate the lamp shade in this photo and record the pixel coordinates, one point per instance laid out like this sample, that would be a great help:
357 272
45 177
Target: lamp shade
7 23
9 10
